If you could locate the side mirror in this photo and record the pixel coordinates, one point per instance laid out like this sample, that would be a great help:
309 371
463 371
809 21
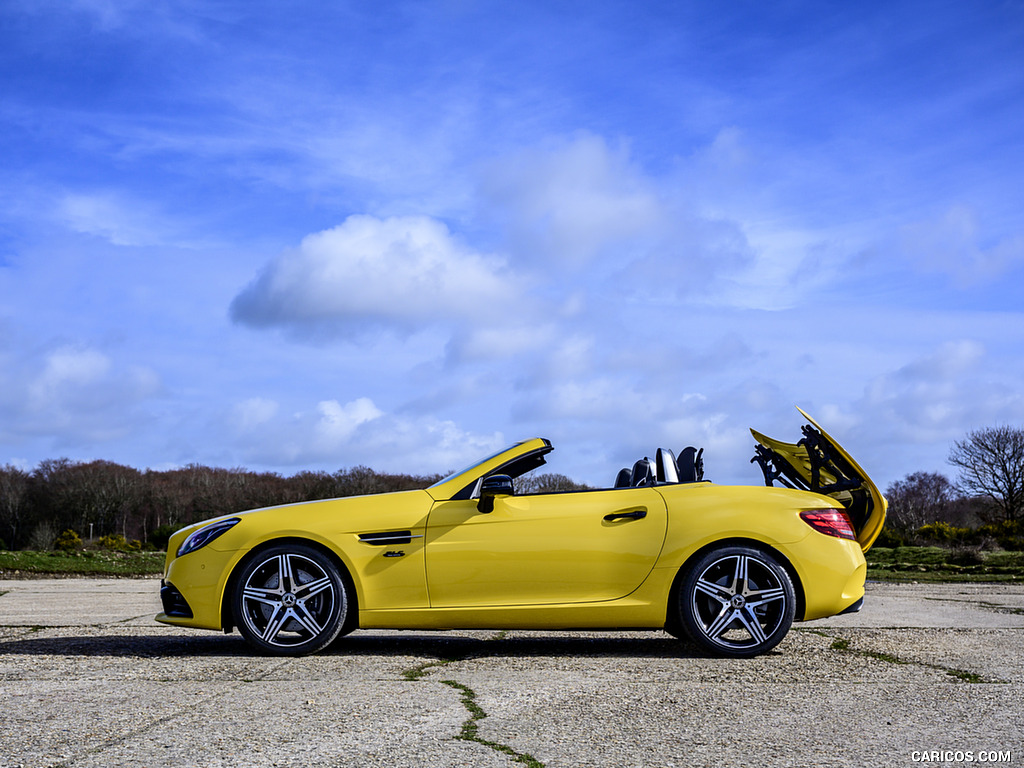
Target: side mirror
495 485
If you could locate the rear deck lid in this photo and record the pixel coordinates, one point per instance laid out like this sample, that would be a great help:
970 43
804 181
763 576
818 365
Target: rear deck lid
818 463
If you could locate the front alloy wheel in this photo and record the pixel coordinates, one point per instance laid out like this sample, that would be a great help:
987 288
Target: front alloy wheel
737 601
290 600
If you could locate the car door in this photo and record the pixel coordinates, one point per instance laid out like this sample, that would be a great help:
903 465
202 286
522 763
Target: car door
543 549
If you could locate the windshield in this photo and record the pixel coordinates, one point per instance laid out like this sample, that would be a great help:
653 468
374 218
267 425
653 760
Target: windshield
475 463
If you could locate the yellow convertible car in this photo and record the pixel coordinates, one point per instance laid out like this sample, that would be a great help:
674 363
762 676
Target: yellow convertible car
730 567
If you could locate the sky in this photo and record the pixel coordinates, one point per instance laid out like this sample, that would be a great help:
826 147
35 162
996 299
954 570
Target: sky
309 236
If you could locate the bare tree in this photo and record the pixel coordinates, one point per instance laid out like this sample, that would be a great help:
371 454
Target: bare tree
920 498
991 466
15 512
550 482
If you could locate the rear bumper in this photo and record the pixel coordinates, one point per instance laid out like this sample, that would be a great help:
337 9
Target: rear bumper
832 573
855 608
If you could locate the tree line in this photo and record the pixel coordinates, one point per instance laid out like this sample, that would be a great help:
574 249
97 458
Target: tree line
101 498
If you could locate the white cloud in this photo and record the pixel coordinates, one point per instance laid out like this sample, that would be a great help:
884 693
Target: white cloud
398 272
67 370
587 209
499 342
337 422
573 201
955 244
337 434
934 397
254 411
102 216
122 222
74 394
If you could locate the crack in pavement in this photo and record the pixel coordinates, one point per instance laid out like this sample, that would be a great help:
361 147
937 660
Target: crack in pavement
984 604
843 645
470 727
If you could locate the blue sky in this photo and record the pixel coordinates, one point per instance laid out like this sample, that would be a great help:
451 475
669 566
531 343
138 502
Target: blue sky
312 235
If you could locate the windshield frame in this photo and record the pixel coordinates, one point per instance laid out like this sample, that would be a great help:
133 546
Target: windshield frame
460 484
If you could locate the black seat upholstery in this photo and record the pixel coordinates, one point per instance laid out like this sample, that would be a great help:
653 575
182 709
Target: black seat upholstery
624 478
643 473
691 465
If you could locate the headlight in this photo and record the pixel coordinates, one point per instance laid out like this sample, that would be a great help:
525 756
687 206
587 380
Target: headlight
206 534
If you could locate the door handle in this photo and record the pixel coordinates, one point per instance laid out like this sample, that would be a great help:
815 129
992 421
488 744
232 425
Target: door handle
636 514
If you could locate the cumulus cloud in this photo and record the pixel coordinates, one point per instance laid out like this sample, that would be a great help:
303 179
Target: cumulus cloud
337 434
337 422
399 272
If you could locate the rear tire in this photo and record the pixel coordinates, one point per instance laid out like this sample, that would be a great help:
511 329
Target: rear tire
736 601
290 600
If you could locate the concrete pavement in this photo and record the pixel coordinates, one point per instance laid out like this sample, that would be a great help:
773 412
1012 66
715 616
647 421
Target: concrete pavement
88 679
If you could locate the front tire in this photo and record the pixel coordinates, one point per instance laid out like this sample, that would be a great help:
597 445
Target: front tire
290 600
737 601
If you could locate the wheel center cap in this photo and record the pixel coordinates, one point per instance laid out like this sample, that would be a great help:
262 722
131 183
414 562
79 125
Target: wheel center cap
738 601
288 600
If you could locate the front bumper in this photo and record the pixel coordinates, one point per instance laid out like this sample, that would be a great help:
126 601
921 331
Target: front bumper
192 589
175 604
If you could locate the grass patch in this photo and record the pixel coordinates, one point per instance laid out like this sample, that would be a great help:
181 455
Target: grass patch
941 564
842 644
967 677
470 727
415 673
27 563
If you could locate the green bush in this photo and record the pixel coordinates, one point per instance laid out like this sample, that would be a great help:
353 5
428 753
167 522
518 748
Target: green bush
117 543
68 541
1008 534
944 533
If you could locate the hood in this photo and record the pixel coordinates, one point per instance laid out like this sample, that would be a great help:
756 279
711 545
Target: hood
818 463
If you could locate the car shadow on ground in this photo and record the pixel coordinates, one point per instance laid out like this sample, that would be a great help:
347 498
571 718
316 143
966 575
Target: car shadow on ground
428 645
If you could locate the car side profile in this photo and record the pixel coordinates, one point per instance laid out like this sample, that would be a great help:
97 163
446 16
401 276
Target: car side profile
729 567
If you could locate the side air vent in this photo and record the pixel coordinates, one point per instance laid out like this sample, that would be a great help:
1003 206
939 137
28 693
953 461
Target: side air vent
388 538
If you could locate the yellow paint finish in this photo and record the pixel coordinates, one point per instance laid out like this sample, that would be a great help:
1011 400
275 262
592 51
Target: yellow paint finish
381 582
543 549
546 561
830 570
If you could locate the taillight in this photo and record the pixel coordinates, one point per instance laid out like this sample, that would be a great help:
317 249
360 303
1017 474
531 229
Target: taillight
831 522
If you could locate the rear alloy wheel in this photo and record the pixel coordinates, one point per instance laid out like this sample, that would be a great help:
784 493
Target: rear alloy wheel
737 601
290 600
